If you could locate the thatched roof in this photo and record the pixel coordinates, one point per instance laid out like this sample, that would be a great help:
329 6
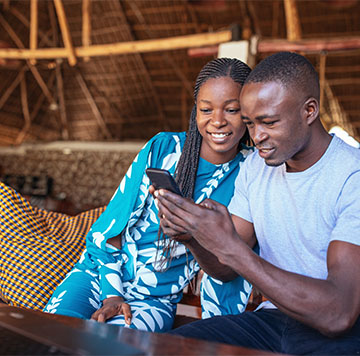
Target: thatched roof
132 96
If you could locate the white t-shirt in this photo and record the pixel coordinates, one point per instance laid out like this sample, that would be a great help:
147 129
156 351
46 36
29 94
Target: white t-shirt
296 215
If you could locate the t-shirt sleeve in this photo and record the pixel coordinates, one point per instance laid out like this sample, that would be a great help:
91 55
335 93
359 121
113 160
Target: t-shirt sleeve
239 204
347 226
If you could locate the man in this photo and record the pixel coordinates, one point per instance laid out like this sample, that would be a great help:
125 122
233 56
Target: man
298 195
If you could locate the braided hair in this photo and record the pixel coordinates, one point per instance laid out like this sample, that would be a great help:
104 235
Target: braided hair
186 170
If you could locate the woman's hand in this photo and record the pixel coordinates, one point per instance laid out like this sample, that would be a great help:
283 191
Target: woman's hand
113 306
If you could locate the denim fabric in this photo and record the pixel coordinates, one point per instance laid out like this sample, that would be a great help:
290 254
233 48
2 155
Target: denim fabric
272 330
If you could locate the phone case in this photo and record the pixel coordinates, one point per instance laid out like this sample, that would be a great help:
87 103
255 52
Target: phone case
161 178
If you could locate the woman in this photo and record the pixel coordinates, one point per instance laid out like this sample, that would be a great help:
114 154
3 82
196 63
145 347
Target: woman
130 276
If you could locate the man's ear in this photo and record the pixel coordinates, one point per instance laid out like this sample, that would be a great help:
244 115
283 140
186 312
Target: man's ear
311 110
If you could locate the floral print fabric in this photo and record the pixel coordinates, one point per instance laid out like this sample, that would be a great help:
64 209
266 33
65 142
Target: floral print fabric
133 272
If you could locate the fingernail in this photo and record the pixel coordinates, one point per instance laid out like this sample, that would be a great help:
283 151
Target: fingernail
156 193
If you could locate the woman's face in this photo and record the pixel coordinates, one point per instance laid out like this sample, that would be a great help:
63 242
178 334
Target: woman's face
218 119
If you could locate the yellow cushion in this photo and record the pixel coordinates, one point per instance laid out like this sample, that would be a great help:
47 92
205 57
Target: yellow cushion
37 248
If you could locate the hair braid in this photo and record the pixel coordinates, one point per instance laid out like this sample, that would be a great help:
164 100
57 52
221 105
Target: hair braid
188 163
186 170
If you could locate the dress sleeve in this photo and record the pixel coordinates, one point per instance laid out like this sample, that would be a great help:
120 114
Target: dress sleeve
100 255
124 208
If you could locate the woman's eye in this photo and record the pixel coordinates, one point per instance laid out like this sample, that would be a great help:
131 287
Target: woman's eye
268 123
233 110
205 111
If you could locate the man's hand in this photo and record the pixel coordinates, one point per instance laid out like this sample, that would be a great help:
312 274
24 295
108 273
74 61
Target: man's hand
113 306
209 223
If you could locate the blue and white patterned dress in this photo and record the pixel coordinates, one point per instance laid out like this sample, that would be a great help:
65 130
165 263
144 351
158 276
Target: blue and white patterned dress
133 272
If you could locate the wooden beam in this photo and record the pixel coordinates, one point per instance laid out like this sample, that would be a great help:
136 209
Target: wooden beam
310 45
100 120
12 87
64 26
62 109
26 23
147 76
33 27
340 44
322 79
25 108
86 25
145 46
293 30
33 69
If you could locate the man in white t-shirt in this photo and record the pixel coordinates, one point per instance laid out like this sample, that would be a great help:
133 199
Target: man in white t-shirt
298 196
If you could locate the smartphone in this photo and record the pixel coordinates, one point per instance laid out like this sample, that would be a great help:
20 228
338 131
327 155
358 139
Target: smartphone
161 178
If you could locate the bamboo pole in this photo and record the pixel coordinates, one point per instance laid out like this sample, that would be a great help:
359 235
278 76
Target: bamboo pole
25 108
145 46
322 68
65 32
339 44
63 116
293 30
25 22
33 69
33 27
100 120
12 87
86 25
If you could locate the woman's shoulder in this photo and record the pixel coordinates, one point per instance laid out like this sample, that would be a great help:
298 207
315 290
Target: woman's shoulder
168 138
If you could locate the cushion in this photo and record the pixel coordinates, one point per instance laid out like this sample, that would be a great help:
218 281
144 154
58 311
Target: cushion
37 248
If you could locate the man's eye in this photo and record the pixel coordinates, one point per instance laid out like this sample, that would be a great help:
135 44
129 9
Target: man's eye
268 123
248 123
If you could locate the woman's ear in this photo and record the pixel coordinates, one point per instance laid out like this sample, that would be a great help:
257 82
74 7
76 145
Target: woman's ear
311 110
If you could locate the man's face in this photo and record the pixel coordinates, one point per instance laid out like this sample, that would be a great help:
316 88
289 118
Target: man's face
274 118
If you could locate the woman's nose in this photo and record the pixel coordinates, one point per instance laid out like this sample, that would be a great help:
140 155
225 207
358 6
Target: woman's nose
218 118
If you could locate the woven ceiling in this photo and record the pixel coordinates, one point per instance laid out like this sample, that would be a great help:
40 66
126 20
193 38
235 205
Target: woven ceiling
133 96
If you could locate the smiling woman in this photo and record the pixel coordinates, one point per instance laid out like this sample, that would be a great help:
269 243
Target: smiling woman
218 119
129 275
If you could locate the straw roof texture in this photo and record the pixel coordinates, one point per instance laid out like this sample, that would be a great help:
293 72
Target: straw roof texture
132 96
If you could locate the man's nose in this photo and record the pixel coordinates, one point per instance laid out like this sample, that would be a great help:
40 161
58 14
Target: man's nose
258 135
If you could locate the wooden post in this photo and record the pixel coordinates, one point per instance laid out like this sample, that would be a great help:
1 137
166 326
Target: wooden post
65 32
322 68
292 20
33 27
86 25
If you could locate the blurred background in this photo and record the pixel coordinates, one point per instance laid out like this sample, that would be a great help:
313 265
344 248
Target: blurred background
84 83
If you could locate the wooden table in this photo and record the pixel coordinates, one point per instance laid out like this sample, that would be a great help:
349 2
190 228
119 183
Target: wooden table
166 344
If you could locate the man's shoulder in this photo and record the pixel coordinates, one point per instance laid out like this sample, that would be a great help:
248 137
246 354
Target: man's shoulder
346 156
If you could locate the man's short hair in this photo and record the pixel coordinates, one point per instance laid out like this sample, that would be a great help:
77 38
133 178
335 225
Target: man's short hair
290 69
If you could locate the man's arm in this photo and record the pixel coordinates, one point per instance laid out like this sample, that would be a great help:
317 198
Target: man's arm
173 225
331 306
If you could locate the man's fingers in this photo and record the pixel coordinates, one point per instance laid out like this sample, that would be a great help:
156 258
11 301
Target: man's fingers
169 221
174 200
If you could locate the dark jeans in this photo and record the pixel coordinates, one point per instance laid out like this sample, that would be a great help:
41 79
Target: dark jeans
272 330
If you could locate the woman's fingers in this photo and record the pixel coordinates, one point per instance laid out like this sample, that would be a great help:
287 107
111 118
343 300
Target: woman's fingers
126 310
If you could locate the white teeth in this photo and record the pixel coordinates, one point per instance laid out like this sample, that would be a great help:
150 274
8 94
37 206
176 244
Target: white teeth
219 135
